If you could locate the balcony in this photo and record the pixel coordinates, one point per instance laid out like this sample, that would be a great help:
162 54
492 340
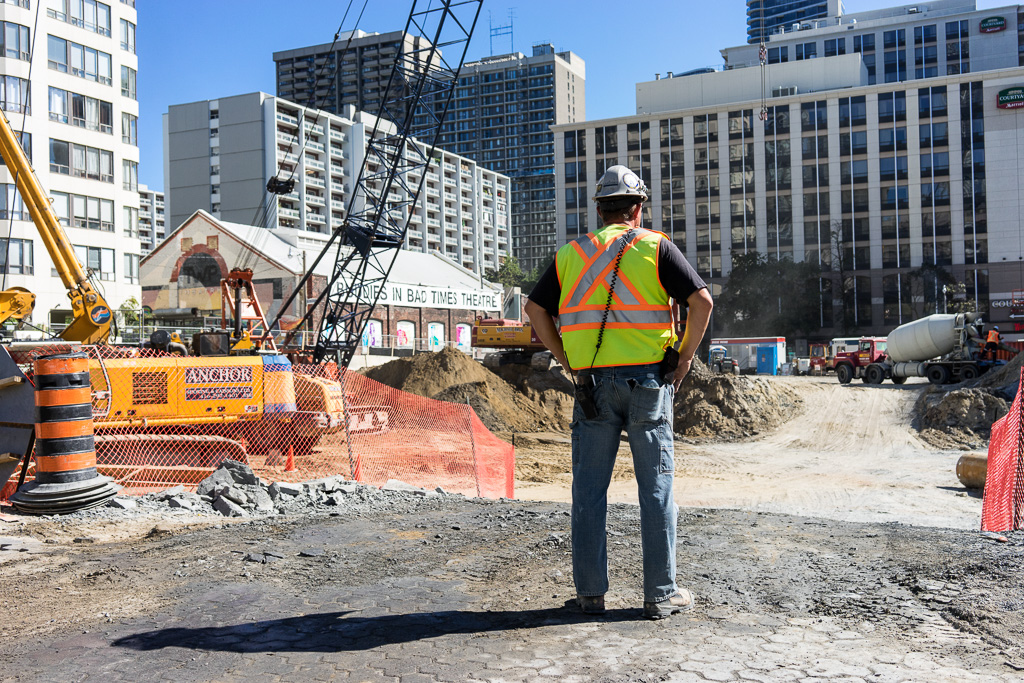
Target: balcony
287 138
313 217
315 146
449 181
434 222
315 164
287 119
337 135
316 129
433 192
415 234
313 181
337 152
313 200
283 212
337 205
450 211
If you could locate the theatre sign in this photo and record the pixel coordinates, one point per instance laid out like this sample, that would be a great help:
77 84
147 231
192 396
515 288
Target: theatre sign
1011 98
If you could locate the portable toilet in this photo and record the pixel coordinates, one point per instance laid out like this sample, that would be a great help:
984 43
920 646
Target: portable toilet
767 360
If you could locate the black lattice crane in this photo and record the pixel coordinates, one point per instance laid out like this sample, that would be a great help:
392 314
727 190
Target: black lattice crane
392 174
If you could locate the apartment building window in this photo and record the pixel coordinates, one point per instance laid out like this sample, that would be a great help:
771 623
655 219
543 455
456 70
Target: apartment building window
895 55
706 184
131 221
79 211
130 173
26 146
97 260
88 14
80 110
131 269
127 36
14 95
15 41
958 47
834 47
68 158
673 181
16 257
778 55
741 180
79 60
11 206
865 46
130 129
128 76
972 143
778 181
130 3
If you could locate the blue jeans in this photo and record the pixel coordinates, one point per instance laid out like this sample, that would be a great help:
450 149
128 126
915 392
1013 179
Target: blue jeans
637 399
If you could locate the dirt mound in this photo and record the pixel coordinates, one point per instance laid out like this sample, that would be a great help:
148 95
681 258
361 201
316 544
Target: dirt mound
959 419
539 401
1004 380
426 374
730 406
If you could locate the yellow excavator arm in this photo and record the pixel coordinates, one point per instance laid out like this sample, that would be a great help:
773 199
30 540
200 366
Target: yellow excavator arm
92 315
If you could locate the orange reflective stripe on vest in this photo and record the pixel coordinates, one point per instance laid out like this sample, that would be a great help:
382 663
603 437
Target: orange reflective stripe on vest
993 337
639 321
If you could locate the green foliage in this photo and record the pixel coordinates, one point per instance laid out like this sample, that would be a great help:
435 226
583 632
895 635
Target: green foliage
509 274
765 297
129 311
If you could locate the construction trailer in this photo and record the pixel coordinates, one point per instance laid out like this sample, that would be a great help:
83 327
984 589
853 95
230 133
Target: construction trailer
760 355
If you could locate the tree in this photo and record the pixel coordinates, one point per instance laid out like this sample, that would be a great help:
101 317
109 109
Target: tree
769 297
923 289
509 274
843 288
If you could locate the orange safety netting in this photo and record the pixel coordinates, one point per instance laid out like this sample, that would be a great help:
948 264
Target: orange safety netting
1003 505
163 419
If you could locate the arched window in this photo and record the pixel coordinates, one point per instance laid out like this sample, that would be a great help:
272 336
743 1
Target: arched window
406 333
373 335
463 337
435 336
199 270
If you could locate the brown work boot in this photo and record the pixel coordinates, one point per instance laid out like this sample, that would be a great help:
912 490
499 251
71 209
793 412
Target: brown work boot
591 604
680 601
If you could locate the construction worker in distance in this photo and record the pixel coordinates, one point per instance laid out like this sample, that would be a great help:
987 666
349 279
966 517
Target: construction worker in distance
612 293
992 342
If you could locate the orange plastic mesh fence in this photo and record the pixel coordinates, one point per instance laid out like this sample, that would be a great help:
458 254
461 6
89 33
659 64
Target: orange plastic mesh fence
1003 505
163 419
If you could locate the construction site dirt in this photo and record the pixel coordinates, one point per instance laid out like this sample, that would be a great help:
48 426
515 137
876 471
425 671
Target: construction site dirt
823 537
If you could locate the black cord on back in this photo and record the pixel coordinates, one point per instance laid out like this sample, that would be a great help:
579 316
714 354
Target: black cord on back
611 291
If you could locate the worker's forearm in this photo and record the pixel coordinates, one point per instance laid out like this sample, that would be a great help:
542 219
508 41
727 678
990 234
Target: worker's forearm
698 314
544 325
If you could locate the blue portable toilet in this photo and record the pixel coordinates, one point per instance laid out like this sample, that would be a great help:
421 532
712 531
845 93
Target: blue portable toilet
767 360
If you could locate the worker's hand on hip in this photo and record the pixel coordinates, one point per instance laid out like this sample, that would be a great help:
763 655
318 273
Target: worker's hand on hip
682 370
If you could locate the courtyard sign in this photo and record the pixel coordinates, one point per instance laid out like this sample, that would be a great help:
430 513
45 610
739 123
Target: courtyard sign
1011 98
992 25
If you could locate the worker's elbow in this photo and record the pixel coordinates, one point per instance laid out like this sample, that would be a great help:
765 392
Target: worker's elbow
701 300
532 309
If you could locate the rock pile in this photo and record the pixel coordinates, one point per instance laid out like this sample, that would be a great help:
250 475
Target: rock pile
958 419
234 490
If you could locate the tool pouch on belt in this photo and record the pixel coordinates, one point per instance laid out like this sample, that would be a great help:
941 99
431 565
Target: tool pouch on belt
669 363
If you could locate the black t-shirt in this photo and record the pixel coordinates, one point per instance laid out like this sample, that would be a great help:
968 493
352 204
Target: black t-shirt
676 274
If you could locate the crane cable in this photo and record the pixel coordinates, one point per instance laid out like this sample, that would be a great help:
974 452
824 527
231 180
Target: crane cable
762 55
268 199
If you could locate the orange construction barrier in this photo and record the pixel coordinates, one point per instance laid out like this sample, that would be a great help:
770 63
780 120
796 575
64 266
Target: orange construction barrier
162 419
1003 504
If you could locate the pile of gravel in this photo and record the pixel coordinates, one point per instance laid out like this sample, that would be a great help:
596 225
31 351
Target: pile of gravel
234 490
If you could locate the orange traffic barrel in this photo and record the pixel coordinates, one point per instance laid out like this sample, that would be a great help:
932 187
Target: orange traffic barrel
66 479
971 469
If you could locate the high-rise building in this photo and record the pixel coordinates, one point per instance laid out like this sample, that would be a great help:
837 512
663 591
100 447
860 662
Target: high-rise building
78 121
898 43
354 70
890 188
220 153
500 118
765 17
152 226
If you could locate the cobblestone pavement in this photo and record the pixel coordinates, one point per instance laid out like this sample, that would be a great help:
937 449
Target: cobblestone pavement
413 597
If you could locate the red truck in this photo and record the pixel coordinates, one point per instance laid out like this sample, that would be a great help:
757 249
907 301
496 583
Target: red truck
854 364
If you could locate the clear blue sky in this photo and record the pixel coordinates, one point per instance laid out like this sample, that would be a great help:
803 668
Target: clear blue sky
203 49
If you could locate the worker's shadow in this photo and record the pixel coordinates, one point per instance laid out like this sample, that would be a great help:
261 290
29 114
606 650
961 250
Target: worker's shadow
346 631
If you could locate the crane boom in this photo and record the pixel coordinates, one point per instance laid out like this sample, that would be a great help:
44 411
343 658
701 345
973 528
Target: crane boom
91 313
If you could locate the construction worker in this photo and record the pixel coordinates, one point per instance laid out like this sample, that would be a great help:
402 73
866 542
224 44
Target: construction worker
992 342
612 291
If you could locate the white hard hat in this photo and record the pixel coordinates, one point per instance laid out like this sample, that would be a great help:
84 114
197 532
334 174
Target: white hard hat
618 182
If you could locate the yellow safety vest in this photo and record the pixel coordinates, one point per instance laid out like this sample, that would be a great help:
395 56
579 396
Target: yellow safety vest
639 326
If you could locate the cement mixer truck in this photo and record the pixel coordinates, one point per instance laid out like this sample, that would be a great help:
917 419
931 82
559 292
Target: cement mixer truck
943 348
